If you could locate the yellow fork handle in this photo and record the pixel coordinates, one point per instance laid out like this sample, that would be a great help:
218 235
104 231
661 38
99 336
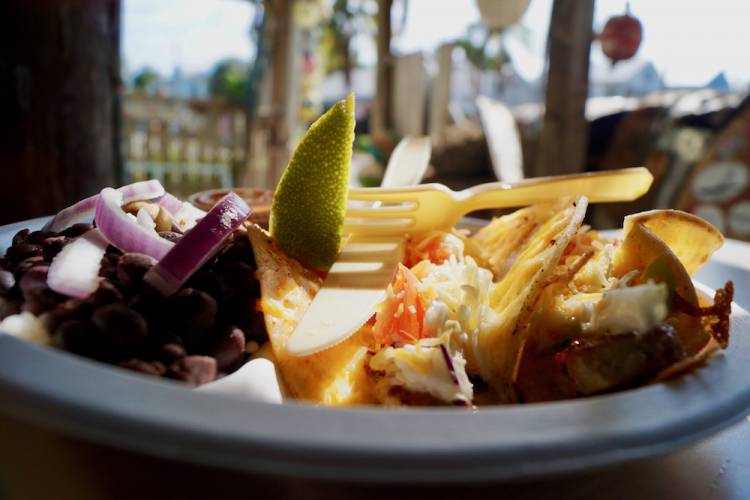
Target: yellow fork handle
599 187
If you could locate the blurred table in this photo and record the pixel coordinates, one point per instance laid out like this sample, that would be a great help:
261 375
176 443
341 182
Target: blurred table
36 464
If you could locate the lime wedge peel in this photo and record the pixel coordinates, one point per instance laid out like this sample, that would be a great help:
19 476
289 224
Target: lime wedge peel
307 214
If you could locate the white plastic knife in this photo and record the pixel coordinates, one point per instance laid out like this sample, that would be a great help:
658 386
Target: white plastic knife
358 280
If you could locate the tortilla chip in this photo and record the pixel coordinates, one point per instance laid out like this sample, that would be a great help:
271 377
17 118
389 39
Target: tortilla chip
496 352
336 376
498 244
690 238
640 248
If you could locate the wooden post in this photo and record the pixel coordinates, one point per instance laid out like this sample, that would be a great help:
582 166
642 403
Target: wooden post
59 78
562 146
256 82
280 24
381 107
441 94
409 106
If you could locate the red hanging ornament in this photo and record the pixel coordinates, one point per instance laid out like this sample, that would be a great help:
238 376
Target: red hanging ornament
621 36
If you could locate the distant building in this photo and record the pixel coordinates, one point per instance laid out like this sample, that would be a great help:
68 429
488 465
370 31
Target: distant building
719 82
507 85
631 78
193 86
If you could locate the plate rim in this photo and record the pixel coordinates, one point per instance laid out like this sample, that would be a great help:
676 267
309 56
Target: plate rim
81 397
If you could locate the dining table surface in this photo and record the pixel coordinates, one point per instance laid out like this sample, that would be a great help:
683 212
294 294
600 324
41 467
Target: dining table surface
38 463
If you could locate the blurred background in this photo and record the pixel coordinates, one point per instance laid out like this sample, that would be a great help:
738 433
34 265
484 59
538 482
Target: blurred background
205 94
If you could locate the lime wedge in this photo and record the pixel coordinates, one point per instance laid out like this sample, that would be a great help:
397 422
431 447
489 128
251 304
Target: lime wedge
307 214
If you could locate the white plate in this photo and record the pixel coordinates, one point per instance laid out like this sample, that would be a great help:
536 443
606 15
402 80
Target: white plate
112 406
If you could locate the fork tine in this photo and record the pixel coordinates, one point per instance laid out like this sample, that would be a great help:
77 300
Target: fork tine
375 227
380 212
375 194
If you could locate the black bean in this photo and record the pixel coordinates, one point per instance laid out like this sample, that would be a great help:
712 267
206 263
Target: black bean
171 236
38 237
230 349
52 246
37 295
256 330
8 307
22 251
131 267
173 351
113 250
194 369
155 368
152 306
82 338
240 277
192 314
240 234
68 310
107 293
123 327
108 266
240 310
76 230
208 282
20 237
26 264
240 251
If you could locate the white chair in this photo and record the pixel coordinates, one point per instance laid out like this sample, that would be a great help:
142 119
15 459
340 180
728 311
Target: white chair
503 139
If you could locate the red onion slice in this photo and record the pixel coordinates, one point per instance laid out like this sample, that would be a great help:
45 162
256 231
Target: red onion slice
75 270
198 245
83 211
184 214
123 232
171 203
187 217
449 362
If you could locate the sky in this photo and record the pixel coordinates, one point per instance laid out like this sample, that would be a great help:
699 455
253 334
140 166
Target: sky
689 41
194 34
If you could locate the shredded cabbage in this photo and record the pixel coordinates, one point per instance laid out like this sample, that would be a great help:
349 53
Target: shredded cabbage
632 309
422 367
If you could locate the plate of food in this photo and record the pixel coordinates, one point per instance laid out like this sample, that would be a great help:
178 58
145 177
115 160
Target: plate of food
521 347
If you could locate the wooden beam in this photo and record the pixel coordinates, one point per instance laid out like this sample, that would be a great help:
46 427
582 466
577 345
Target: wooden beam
562 146
381 107
280 25
441 94
59 82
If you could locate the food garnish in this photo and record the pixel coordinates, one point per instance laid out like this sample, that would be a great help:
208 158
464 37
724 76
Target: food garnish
534 307
83 288
336 376
120 230
689 237
83 211
307 213
198 245
75 270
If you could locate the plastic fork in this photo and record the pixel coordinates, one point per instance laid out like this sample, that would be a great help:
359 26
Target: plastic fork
358 279
422 208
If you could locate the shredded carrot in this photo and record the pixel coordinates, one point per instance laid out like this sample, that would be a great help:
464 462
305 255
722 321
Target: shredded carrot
401 316
435 247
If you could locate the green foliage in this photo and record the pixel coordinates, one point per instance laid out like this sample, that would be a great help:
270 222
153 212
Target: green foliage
230 80
480 52
348 18
144 78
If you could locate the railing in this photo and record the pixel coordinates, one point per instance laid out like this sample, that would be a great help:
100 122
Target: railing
188 145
